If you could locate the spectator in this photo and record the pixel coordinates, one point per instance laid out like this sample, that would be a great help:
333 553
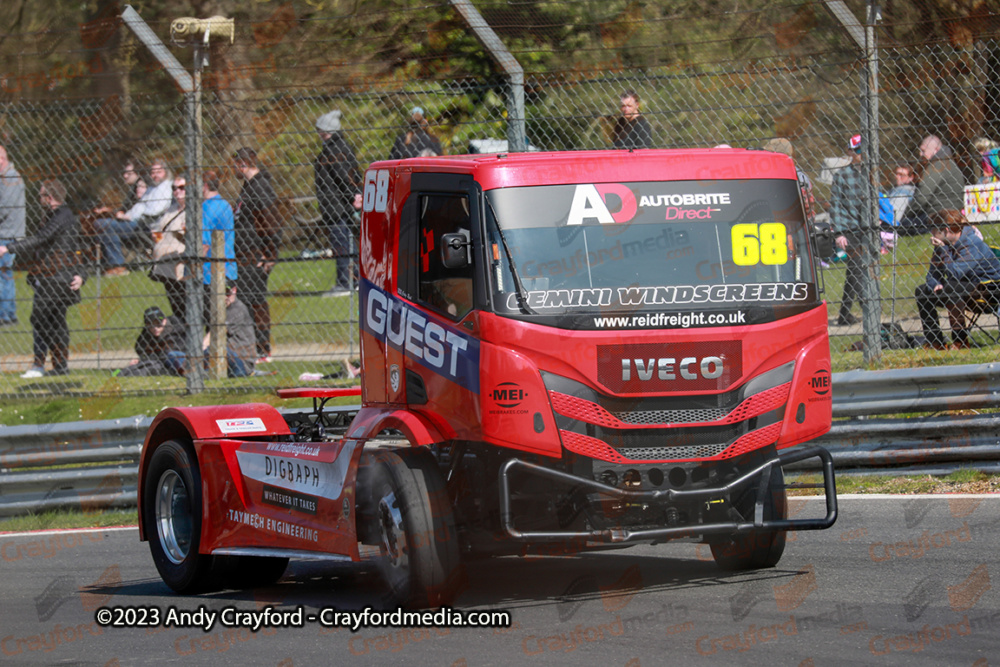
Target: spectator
991 166
942 187
417 140
960 261
901 195
12 213
983 145
338 191
134 223
240 343
782 145
847 198
258 237
216 215
168 250
159 347
56 277
631 129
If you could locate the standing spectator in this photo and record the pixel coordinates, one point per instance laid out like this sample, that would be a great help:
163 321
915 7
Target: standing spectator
258 237
417 140
168 250
960 261
901 195
631 129
157 346
782 145
11 227
847 198
216 215
134 223
56 277
942 187
337 189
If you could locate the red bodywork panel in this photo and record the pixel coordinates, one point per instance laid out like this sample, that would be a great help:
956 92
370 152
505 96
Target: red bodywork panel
264 492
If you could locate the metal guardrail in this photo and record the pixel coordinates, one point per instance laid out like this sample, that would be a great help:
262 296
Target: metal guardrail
94 465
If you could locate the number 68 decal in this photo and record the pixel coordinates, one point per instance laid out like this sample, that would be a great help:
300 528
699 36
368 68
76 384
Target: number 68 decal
759 244
376 190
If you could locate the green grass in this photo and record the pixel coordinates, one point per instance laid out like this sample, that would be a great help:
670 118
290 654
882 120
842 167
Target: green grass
62 519
14 411
964 481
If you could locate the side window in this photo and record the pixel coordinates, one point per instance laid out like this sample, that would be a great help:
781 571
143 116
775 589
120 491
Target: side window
449 291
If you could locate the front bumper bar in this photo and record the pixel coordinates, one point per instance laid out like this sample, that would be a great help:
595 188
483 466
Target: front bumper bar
761 476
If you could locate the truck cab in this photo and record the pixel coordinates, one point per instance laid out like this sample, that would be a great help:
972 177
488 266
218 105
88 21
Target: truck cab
647 321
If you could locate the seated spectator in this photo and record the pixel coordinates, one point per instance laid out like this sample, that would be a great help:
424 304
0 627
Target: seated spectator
959 263
241 345
902 193
134 223
158 348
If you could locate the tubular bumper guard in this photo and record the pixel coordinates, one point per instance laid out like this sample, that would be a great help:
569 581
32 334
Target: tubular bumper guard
761 475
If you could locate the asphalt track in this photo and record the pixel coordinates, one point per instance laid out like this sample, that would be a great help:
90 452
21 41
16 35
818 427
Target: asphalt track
905 580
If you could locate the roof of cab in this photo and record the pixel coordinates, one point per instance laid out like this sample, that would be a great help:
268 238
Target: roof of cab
503 170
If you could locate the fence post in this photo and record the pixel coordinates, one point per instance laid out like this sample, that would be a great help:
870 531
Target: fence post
191 86
864 37
871 303
517 141
217 318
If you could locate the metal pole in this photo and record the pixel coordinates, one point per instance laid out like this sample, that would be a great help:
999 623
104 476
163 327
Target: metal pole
195 373
871 303
517 141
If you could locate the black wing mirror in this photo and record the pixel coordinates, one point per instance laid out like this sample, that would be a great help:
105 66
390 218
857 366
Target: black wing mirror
456 249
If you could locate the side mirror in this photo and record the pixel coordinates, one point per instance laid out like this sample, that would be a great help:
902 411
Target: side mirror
824 242
456 249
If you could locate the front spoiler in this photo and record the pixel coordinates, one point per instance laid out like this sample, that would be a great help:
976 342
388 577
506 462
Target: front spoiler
761 474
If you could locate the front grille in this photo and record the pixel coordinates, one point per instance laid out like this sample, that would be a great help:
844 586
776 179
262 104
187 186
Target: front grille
580 409
595 448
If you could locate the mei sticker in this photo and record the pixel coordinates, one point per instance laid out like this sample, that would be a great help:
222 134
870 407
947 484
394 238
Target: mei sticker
242 425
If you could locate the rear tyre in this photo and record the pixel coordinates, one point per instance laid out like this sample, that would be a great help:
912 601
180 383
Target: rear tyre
415 528
171 512
758 548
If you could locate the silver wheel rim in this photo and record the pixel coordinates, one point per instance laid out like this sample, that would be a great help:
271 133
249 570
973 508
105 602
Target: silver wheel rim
174 524
390 521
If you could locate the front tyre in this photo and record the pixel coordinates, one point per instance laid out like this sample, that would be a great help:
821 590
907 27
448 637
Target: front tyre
758 548
171 513
415 528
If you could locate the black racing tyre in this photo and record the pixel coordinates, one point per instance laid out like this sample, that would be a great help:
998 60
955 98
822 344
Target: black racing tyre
171 513
758 548
418 545
250 571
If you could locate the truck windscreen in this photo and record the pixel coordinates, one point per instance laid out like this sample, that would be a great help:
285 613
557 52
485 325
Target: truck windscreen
675 247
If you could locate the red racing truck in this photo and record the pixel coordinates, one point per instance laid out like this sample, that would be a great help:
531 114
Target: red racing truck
559 352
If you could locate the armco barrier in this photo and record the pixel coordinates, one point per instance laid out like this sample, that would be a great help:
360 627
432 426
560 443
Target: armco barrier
107 451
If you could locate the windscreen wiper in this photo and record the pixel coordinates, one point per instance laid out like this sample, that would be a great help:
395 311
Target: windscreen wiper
522 296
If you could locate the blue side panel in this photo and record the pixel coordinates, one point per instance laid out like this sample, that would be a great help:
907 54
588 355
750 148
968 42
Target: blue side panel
433 343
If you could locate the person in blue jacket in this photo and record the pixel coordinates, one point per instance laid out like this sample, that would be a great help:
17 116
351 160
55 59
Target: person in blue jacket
216 215
960 262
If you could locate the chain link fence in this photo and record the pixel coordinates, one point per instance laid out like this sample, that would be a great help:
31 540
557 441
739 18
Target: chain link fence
737 78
